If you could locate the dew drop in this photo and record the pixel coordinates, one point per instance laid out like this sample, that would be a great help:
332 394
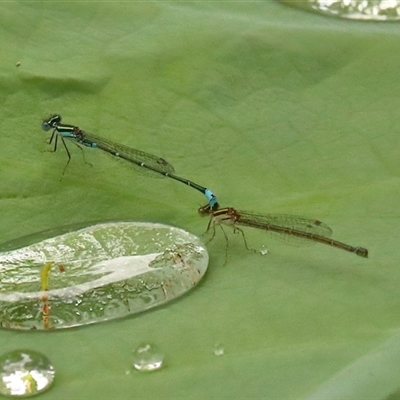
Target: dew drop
263 251
25 373
147 357
218 350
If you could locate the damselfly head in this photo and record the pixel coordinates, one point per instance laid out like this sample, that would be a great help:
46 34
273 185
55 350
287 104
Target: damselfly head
51 123
205 210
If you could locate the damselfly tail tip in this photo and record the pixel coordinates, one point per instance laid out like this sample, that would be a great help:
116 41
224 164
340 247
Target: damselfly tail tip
215 206
362 252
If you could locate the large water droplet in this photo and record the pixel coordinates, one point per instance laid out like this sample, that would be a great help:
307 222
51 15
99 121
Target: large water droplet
25 373
147 357
365 10
97 273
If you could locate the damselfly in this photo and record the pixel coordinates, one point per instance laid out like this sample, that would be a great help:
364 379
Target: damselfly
139 158
289 225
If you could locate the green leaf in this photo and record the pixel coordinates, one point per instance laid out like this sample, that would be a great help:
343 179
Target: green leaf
276 111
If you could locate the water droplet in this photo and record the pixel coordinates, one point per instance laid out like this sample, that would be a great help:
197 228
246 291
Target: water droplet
25 373
365 10
147 357
96 273
218 350
263 250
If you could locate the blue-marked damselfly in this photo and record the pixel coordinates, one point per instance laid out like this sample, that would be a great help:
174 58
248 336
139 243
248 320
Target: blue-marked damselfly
139 158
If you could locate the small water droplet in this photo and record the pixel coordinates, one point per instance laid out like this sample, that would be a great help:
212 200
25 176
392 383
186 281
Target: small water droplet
263 251
147 357
218 350
25 373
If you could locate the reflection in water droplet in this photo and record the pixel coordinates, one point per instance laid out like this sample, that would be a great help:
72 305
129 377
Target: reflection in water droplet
218 350
147 357
97 273
24 373
263 251
366 10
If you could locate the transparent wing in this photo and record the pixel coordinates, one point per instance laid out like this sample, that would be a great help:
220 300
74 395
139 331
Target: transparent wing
137 157
286 223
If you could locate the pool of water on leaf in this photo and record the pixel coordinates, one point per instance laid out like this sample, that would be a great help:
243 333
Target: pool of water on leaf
96 273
